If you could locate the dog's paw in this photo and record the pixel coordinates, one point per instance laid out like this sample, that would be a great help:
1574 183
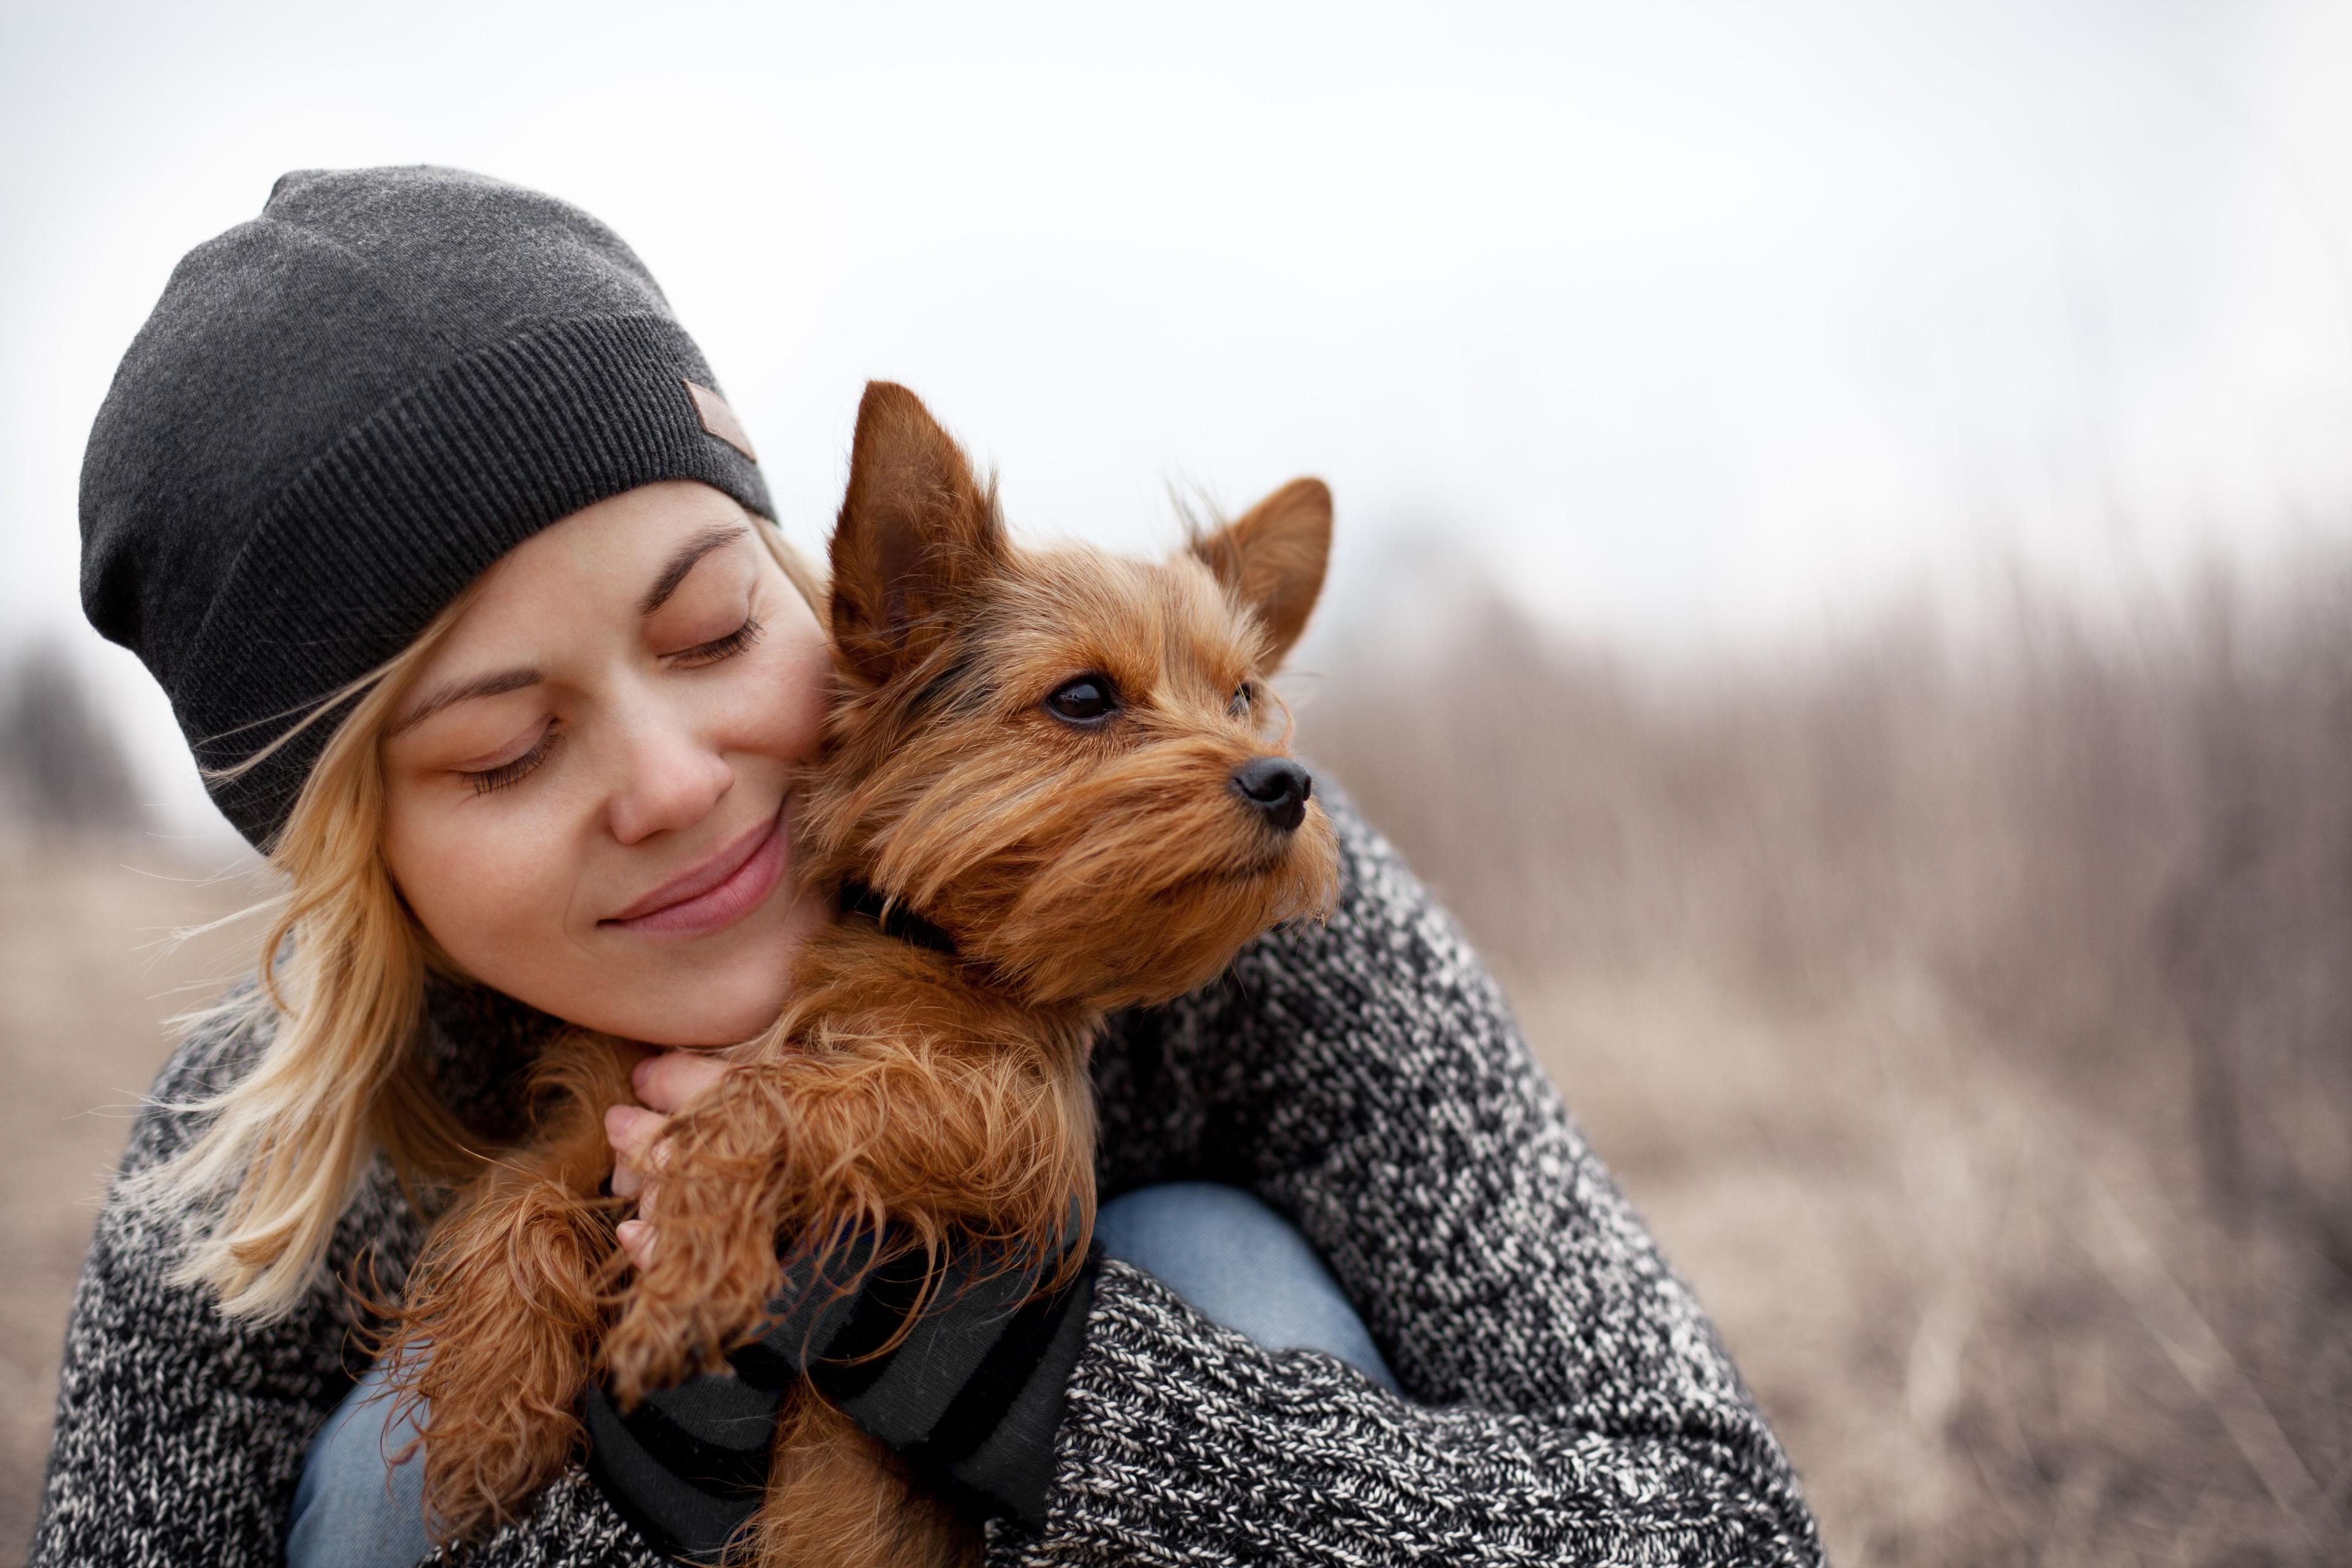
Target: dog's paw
705 1290
650 1348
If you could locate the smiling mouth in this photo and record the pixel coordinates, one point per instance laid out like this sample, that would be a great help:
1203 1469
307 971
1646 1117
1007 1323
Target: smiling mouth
716 893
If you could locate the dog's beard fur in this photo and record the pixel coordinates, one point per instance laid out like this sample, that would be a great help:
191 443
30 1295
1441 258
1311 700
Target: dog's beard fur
1076 868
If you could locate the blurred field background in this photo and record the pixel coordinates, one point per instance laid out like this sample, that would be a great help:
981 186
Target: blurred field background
1971 1019
1843 582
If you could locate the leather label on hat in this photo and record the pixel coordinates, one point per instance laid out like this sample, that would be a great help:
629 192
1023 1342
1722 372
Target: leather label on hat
719 419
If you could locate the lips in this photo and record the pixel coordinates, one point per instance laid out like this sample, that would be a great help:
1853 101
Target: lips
714 894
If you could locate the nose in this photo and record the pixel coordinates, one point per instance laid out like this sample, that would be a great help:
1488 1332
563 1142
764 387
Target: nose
1277 787
674 778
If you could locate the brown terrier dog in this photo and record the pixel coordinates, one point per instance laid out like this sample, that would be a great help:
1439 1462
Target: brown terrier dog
1059 758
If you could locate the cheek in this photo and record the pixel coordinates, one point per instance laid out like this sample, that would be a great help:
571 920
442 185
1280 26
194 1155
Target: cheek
775 706
489 887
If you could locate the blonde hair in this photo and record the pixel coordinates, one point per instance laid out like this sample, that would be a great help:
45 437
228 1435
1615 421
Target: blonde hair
338 1002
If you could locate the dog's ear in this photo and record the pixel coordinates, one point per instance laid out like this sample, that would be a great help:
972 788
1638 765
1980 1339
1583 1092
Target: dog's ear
1271 559
915 531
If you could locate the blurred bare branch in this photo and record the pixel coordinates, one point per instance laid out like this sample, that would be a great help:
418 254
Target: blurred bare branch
61 763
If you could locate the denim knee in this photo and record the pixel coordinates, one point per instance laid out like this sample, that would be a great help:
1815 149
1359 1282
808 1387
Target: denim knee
1240 1264
354 1508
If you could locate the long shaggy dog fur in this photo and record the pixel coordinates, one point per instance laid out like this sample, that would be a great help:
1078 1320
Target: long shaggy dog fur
1077 866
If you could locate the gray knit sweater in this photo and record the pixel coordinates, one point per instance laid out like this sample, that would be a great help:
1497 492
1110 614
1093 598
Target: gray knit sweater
1569 1402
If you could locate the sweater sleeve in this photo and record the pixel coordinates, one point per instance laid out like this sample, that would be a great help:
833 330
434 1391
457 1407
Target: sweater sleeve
1569 1401
180 1434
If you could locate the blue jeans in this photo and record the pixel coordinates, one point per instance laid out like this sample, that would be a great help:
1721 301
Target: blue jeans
1235 1260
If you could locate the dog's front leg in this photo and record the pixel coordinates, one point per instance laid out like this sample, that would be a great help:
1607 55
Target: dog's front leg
713 1270
500 1321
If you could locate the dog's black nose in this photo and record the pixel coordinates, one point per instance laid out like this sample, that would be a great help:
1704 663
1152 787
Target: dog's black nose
1276 786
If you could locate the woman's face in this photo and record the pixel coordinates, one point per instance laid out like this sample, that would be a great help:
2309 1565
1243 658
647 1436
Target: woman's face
585 784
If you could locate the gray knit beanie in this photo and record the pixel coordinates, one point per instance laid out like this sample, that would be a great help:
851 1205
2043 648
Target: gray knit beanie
341 413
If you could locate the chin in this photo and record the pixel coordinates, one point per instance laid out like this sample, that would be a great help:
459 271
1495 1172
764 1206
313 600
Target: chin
728 992
706 1011
713 1005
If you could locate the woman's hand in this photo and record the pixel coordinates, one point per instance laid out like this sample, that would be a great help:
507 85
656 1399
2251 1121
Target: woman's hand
667 1083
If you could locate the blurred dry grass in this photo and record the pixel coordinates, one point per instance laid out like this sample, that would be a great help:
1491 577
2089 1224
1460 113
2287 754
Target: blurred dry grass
1974 1027
1971 1026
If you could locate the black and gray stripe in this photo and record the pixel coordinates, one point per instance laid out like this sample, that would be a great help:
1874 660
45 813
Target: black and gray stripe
970 1395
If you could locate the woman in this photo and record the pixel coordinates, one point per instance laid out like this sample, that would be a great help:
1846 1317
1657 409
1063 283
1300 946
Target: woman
431 521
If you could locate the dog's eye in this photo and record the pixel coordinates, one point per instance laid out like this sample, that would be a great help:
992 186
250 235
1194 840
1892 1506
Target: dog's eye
1244 695
1088 699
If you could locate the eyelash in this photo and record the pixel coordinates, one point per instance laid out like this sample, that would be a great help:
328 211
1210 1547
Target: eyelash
509 774
489 781
506 775
734 642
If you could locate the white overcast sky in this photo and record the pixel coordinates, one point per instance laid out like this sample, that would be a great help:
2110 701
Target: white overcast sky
1689 324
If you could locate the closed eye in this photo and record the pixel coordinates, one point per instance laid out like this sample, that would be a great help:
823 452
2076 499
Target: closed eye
489 781
737 641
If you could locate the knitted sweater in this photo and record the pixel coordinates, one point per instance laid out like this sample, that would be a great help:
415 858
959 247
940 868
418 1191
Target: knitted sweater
1569 1401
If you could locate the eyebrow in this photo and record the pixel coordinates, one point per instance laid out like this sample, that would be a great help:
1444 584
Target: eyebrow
683 561
496 685
673 574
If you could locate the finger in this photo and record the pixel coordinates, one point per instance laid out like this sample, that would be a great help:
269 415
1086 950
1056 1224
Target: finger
633 1132
627 1180
637 1239
673 1079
